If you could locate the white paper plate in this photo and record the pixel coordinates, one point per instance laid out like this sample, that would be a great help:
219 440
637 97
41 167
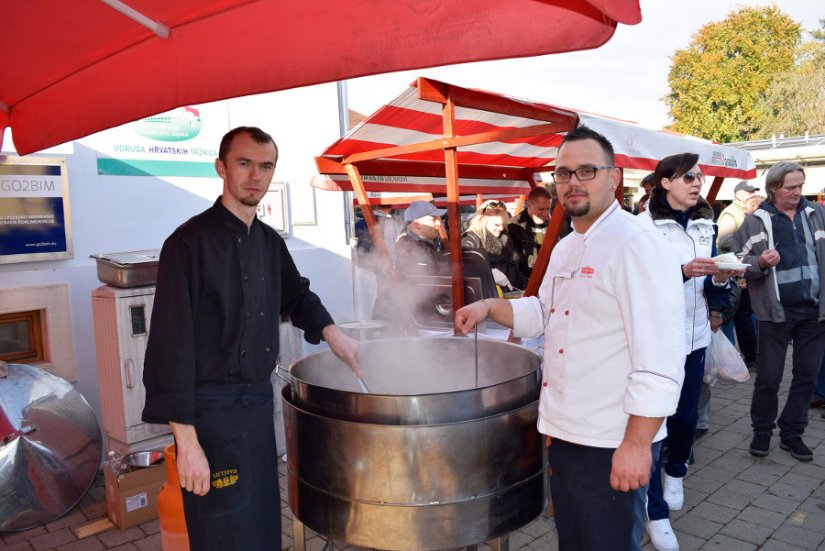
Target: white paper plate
731 265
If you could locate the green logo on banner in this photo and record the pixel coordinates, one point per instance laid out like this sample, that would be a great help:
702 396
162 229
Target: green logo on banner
181 124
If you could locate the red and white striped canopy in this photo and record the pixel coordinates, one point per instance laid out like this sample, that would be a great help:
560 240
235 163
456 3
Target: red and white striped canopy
500 166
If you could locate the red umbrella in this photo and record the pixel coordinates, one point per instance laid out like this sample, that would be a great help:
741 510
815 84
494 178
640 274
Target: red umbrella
70 69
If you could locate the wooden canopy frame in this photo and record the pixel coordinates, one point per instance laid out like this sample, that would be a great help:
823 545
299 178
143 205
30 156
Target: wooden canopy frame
527 125
379 161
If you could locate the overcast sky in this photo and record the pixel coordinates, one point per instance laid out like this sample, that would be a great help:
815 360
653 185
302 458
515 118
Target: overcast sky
626 78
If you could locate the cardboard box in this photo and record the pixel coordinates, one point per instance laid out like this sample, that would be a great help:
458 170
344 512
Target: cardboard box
132 499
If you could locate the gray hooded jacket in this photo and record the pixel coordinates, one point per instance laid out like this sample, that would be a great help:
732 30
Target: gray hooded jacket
753 238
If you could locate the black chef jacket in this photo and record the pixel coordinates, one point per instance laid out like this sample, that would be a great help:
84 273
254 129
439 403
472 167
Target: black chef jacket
220 293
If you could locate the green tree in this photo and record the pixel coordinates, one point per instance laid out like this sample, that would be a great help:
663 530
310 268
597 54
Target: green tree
718 81
794 103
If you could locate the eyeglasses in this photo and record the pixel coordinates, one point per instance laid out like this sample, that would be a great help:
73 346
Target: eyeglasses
690 177
583 173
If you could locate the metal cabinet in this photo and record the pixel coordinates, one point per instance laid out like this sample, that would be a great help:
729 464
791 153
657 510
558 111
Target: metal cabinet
121 322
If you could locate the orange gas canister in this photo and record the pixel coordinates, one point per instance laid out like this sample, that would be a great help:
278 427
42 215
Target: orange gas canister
173 535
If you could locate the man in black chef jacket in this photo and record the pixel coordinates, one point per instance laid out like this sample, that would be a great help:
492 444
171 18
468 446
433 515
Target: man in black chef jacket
224 280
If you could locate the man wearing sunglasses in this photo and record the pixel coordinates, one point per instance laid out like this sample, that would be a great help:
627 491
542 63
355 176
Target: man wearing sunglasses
611 309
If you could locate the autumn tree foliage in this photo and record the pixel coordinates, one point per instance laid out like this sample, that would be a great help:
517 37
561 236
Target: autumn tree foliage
794 103
718 82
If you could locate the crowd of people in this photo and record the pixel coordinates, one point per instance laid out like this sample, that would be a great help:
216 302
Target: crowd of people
509 244
626 307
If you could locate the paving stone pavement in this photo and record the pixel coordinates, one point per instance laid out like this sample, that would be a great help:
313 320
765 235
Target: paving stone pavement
733 501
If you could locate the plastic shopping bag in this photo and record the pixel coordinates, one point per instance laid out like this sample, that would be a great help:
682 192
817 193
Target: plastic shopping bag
725 360
711 370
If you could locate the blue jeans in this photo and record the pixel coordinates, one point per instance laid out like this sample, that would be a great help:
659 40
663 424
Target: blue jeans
681 430
590 515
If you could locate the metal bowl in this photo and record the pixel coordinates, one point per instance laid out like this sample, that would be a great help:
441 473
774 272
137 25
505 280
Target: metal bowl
365 330
142 459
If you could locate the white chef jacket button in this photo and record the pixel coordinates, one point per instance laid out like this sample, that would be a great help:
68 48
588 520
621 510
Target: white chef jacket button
561 350
567 312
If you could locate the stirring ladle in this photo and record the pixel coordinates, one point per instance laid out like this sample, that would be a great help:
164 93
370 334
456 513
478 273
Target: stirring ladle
361 384
476 353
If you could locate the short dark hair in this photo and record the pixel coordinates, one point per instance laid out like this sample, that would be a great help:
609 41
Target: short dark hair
674 166
775 178
257 135
584 133
538 192
648 180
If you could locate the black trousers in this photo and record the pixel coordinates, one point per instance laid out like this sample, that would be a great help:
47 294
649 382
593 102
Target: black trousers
242 510
745 331
590 515
808 337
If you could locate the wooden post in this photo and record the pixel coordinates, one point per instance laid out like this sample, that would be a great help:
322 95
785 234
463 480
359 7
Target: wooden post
366 210
620 187
453 208
550 240
714 189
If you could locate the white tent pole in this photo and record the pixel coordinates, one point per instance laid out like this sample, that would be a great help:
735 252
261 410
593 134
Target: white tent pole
159 29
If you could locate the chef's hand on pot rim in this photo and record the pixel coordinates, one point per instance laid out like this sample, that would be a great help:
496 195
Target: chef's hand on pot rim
469 316
344 347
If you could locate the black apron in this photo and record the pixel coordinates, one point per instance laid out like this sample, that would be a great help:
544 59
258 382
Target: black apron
242 510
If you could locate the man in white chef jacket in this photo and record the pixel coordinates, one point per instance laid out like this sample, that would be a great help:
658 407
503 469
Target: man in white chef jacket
611 307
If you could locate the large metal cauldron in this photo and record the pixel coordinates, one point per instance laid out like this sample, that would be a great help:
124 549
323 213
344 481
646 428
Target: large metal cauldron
406 470
419 381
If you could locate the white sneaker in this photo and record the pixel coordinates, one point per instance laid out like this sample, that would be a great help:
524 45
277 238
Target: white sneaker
661 535
674 493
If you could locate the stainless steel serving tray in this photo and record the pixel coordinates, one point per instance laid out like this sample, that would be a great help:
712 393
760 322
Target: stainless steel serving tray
128 269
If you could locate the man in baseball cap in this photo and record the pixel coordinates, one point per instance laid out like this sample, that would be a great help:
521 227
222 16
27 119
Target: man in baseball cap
420 245
420 209
745 187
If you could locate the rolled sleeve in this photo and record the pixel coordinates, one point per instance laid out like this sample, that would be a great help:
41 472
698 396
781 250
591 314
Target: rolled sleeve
528 317
642 385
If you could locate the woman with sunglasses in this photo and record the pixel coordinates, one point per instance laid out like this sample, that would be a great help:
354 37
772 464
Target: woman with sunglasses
685 219
486 234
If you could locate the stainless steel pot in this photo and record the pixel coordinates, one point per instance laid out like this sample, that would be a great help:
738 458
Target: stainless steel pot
422 486
429 462
418 381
